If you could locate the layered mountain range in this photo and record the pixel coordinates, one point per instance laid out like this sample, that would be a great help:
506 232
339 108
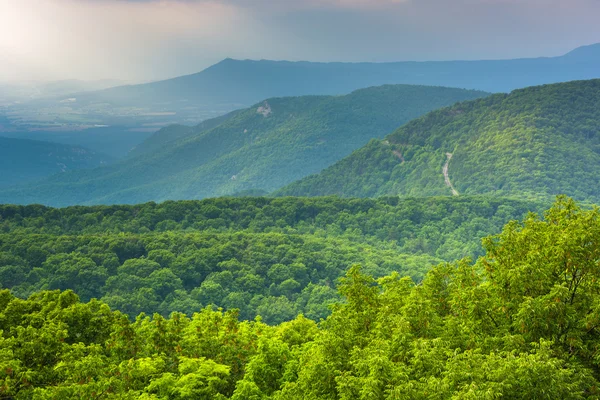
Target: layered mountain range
264 147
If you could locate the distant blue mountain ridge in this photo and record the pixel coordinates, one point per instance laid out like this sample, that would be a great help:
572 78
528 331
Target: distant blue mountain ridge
244 82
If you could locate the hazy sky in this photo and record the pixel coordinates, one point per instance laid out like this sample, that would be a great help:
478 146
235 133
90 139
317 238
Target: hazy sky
151 39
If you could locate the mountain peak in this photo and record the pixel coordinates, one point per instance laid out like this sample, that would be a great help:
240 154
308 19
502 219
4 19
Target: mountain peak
590 52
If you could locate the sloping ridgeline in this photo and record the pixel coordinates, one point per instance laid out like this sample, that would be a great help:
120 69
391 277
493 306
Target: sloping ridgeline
245 82
532 143
172 133
264 147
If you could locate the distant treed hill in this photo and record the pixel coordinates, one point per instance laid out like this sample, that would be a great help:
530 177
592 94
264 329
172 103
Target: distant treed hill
114 141
161 138
533 143
273 257
264 148
170 134
24 160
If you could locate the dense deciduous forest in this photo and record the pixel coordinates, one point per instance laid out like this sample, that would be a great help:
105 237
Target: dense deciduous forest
289 230
532 143
328 297
270 257
522 321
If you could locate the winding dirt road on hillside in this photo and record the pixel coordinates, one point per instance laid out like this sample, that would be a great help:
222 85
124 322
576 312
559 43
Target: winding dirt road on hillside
446 177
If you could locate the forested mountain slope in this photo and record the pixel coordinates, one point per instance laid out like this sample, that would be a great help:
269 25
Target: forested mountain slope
535 142
172 133
273 257
23 160
263 147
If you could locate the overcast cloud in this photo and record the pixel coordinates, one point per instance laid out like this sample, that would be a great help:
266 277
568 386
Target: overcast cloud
141 40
